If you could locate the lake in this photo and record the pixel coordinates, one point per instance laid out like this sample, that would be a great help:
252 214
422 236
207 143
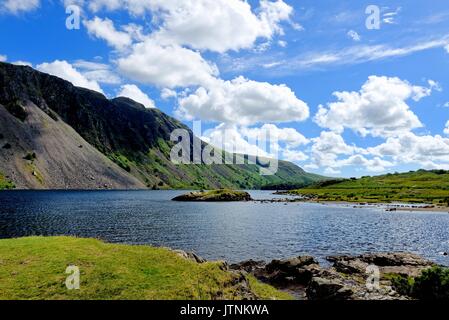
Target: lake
229 231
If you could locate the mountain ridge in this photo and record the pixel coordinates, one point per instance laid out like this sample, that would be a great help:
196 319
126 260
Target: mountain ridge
134 138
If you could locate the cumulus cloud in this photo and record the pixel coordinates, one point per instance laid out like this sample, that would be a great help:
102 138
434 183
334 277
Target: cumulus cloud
331 152
379 108
105 29
18 6
66 71
411 148
3 58
327 148
166 66
244 102
446 129
231 139
267 140
133 92
216 25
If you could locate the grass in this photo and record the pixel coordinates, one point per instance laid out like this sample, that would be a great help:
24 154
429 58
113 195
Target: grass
5 184
34 269
413 187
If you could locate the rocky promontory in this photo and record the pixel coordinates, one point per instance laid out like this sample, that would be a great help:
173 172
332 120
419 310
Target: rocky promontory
348 278
215 196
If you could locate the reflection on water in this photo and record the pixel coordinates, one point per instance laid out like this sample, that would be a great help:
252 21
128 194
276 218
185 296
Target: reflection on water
230 231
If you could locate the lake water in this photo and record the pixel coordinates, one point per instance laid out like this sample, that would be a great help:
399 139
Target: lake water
229 231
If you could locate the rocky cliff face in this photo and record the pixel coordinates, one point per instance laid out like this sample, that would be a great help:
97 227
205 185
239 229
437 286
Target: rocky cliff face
51 118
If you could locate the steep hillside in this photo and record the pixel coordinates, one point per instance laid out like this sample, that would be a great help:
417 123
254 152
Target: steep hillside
414 187
42 153
135 138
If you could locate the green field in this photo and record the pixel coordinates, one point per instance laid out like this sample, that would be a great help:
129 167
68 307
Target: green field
413 187
34 268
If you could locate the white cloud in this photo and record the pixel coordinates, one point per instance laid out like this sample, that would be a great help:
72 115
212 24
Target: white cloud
133 92
447 48
267 140
282 43
359 54
104 29
22 63
379 108
409 148
231 139
98 72
167 66
66 71
373 165
288 135
332 172
242 101
294 155
328 151
167 94
18 6
216 25
354 35
390 17
3 58
327 148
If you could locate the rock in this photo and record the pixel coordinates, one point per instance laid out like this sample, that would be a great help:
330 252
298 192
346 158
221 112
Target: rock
397 263
328 289
349 266
249 265
395 259
190 256
290 265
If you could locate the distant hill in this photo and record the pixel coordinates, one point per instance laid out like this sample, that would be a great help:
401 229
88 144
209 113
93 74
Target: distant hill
56 135
412 187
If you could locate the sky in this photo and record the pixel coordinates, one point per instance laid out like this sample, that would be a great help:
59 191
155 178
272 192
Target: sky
347 88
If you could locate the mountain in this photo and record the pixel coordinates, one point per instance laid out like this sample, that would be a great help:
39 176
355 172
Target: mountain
413 187
55 135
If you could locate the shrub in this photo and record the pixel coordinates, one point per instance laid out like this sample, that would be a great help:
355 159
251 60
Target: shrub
433 284
30 156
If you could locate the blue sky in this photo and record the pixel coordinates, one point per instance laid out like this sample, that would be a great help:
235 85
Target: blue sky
263 64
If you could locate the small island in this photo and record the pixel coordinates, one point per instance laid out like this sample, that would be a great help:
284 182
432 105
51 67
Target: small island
223 195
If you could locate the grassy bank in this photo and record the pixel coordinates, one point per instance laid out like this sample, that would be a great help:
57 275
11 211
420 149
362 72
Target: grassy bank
34 268
412 187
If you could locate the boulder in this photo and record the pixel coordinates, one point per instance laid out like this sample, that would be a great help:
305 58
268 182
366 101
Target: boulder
190 256
290 265
249 266
328 289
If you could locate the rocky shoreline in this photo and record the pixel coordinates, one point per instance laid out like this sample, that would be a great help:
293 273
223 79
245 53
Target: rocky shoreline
346 279
389 207
364 277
